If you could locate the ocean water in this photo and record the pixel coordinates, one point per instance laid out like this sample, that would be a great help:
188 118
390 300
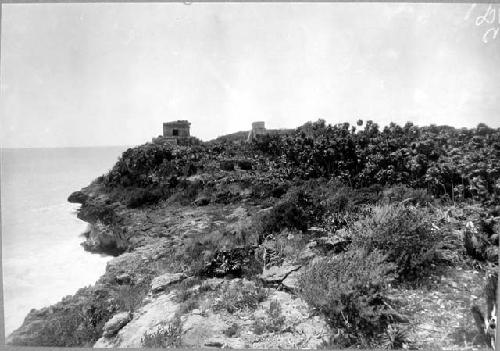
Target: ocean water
42 260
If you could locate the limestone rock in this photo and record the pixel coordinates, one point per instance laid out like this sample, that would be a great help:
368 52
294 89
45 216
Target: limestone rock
332 243
276 274
160 311
475 242
214 343
492 253
163 281
308 253
116 323
103 239
291 281
494 239
200 331
78 197
202 201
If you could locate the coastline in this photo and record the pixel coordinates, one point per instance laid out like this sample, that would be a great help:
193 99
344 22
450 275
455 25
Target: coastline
236 250
38 221
49 274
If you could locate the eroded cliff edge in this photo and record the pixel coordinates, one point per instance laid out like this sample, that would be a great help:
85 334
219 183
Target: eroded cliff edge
291 241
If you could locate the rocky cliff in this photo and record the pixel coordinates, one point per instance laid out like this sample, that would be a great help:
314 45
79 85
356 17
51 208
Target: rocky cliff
285 243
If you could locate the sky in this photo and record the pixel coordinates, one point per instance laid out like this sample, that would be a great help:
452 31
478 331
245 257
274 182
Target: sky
111 74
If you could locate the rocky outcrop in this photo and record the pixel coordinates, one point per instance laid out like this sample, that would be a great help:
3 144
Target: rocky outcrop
334 244
276 274
207 327
290 283
165 280
160 311
116 323
104 239
479 243
78 197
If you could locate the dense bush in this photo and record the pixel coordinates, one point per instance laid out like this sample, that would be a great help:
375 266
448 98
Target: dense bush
348 290
129 297
200 251
402 193
344 205
298 209
245 165
227 165
232 331
140 197
404 234
137 165
75 321
458 163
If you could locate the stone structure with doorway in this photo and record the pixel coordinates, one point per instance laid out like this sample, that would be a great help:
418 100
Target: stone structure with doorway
176 129
175 132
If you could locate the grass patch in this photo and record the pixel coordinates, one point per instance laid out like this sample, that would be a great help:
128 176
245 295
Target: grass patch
273 321
240 296
165 337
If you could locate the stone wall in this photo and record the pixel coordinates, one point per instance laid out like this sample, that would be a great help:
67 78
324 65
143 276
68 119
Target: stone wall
176 129
259 129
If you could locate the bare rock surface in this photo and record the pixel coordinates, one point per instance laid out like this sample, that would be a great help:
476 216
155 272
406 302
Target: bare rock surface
207 327
276 274
165 280
116 323
300 329
159 311
291 281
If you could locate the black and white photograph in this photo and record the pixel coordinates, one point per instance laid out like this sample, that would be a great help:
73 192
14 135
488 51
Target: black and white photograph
250 175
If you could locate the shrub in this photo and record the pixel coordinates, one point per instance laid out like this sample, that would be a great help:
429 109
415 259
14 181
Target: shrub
232 331
239 296
137 165
297 210
184 288
348 290
273 322
186 296
289 245
199 251
345 205
402 193
227 165
404 234
395 337
140 197
168 336
245 165
259 326
189 305
129 297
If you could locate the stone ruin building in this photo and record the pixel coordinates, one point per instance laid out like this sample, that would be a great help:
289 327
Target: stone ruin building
259 129
175 132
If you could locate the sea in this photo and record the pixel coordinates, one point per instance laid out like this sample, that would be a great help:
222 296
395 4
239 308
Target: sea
42 259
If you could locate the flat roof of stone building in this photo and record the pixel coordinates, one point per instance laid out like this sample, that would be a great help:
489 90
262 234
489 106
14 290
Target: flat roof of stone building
177 122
